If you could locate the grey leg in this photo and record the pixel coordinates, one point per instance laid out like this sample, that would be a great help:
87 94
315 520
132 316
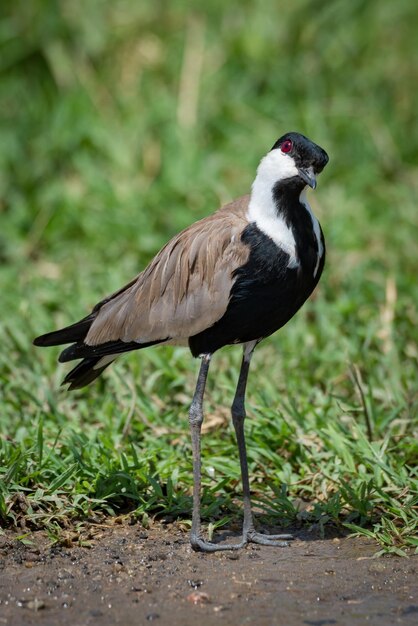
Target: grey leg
196 419
238 418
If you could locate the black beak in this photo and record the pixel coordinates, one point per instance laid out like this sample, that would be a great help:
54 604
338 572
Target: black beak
308 176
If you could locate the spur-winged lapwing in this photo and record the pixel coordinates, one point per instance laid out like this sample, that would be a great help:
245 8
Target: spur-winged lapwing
234 277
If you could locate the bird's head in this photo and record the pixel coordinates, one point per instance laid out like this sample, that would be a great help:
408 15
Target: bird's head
294 159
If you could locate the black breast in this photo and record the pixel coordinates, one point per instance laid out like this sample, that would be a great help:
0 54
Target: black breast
266 292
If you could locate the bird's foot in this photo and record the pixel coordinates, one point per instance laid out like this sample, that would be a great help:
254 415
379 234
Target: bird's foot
280 541
201 545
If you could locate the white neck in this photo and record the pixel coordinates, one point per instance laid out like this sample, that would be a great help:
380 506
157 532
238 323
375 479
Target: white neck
262 210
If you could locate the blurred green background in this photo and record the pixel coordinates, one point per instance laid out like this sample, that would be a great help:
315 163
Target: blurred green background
124 121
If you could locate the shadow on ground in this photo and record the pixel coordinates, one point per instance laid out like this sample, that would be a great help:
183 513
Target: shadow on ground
129 576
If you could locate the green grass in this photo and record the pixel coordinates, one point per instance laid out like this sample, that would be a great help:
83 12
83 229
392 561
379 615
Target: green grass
122 122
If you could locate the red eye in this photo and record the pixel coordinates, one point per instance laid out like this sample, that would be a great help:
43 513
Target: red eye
286 146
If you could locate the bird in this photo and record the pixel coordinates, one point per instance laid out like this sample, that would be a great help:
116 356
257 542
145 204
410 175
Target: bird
233 277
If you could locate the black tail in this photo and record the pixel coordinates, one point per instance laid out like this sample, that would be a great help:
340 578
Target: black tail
81 350
69 334
84 373
89 368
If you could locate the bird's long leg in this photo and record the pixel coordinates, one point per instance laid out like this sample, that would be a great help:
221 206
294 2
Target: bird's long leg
238 418
196 419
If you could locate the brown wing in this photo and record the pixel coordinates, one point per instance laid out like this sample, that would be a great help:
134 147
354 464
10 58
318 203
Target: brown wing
184 290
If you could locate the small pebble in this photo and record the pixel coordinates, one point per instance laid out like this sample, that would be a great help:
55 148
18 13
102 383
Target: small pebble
377 567
195 583
198 597
36 604
118 567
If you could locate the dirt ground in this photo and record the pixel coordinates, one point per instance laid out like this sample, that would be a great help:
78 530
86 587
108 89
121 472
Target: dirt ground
130 576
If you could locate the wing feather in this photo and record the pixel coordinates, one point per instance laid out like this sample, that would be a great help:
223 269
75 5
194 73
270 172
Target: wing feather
185 289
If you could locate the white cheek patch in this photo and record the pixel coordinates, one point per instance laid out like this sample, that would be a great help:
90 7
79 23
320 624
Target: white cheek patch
274 167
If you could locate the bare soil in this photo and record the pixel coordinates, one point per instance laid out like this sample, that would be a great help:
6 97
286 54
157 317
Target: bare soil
129 576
